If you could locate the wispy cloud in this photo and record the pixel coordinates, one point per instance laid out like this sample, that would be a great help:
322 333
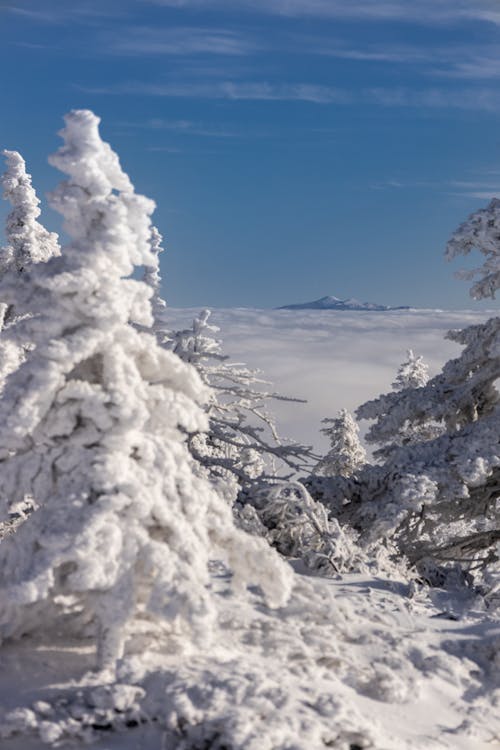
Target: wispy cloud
485 100
480 189
475 185
183 127
480 66
235 91
424 11
177 41
164 149
467 61
81 12
371 53
485 195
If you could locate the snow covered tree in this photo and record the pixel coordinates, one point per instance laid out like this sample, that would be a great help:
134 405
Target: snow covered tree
93 425
152 278
241 444
438 498
346 454
27 242
436 494
413 373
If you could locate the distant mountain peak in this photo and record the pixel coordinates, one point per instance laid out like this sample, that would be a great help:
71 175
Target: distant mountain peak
335 303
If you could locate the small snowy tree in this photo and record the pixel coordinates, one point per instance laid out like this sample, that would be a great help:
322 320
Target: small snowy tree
241 444
93 425
152 278
27 242
346 454
413 373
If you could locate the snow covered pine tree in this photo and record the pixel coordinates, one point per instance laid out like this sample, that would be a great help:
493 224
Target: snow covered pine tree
412 373
346 454
27 242
92 425
438 497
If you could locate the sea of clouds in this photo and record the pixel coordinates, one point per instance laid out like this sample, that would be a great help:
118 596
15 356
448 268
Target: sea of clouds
332 359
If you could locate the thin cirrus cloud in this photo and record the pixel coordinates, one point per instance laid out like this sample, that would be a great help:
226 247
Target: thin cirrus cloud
452 61
230 90
475 189
424 11
90 12
479 189
485 100
479 67
177 41
182 127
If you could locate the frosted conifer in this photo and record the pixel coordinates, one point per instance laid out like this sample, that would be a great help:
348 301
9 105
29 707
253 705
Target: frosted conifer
439 497
413 373
346 454
152 278
92 425
27 240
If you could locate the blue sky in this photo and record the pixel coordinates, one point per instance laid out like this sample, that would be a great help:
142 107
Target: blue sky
295 148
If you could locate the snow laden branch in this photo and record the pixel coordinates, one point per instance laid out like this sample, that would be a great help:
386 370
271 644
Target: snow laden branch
93 425
242 442
480 232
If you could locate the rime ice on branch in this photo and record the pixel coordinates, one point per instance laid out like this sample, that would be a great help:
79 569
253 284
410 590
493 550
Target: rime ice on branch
241 445
480 232
93 424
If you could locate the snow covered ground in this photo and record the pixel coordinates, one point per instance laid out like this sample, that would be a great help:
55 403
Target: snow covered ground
360 661
355 662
